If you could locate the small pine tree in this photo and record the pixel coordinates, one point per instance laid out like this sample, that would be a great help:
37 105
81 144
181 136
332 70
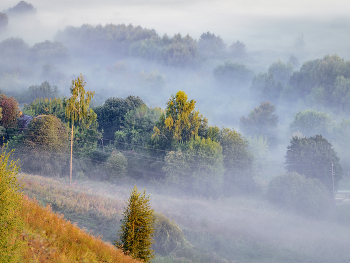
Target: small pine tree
137 230
10 223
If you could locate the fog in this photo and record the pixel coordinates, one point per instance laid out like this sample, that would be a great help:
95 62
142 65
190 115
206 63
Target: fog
80 41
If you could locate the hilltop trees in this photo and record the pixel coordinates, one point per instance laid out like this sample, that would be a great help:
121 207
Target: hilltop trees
137 231
313 157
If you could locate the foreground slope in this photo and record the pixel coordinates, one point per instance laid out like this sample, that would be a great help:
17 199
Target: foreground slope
48 237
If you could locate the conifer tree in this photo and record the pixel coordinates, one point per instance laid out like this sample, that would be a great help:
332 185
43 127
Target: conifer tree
10 198
137 230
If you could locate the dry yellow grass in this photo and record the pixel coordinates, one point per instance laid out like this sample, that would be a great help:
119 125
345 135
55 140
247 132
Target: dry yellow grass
48 237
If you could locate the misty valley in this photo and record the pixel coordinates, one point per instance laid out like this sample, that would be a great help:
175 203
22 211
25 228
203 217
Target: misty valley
240 151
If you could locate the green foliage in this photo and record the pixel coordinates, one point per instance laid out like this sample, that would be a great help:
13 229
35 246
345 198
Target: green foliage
77 106
311 122
48 133
269 86
238 161
117 164
138 126
46 106
281 72
10 199
196 166
168 236
261 120
323 81
137 228
313 158
302 195
233 73
181 122
45 90
111 114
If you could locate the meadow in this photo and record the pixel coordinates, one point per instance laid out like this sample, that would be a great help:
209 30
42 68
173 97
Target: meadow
236 229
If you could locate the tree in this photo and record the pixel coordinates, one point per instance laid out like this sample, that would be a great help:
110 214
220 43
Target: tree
312 122
238 48
77 110
261 120
48 133
210 45
238 160
137 126
313 157
44 91
117 164
137 230
233 73
306 196
179 124
168 236
3 21
10 112
111 114
22 7
196 166
10 199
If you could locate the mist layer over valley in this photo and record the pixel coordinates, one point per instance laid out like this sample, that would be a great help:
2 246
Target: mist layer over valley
235 117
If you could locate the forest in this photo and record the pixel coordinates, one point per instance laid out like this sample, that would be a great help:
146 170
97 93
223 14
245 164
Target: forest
243 150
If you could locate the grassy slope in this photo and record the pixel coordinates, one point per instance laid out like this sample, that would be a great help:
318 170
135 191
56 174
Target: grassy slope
236 229
48 237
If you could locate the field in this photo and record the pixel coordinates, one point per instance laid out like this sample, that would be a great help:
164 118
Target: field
238 229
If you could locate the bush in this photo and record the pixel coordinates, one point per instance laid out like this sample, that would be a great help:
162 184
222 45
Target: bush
168 236
117 164
302 195
10 200
47 132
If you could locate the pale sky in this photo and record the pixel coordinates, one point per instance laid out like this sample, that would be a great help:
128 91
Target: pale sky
229 19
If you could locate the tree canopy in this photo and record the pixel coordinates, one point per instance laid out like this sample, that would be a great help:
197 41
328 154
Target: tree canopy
313 158
180 123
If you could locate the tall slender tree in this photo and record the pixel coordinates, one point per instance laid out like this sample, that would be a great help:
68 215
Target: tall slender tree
77 110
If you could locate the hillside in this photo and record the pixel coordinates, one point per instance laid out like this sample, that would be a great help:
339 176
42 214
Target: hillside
49 237
239 229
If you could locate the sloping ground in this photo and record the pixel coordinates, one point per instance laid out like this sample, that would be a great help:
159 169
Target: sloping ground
48 237
236 229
